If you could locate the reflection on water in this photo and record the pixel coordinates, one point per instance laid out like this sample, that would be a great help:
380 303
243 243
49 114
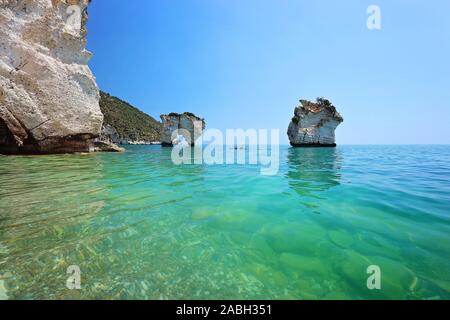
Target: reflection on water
140 227
313 170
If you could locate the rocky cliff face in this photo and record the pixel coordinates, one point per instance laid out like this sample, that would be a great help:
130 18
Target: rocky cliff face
187 125
314 124
49 100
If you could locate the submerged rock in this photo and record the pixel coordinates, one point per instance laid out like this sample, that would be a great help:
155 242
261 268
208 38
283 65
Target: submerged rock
49 100
3 292
314 124
104 146
187 125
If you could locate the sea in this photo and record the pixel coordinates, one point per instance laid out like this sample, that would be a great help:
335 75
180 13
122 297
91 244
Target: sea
352 222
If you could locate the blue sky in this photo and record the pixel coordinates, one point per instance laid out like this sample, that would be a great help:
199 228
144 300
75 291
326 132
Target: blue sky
246 63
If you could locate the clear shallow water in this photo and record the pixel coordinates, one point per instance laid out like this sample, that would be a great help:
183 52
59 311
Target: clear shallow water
141 228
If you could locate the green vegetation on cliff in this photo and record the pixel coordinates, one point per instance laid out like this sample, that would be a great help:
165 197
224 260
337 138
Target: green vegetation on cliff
130 123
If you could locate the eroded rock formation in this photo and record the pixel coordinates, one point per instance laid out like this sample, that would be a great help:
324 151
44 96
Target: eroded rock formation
49 100
175 125
109 134
314 124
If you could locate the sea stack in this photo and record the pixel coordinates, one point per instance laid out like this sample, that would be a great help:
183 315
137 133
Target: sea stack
49 100
175 125
314 124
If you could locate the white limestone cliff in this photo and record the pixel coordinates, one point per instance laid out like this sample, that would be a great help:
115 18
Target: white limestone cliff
49 100
175 125
314 124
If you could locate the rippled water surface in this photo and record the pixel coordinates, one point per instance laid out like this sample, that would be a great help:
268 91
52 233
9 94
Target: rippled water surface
140 227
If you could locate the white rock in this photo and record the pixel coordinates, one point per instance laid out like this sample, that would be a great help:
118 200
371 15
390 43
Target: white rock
49 100
110 135
187 125
314 124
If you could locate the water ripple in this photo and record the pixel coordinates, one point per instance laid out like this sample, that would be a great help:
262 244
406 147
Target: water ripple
140 227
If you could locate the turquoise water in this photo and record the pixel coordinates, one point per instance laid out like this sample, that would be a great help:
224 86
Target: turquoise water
141 228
